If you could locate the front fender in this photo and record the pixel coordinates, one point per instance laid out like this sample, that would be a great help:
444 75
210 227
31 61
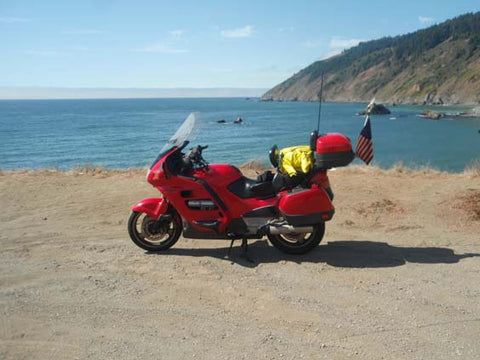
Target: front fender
153 207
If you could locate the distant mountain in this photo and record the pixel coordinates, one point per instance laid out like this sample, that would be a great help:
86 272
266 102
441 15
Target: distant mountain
15 93
439 64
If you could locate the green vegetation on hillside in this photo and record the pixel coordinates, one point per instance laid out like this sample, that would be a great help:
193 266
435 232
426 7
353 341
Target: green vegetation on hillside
405 67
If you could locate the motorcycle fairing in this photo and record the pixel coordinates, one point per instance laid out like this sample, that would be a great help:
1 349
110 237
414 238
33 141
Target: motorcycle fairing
153 207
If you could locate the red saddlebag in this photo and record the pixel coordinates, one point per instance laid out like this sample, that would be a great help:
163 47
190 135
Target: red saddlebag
306 207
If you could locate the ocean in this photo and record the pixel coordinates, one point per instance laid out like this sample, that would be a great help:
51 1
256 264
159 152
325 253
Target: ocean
123 133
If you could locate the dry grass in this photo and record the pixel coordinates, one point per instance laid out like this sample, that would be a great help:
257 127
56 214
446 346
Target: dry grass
85 170
469 203
100 171
397 169
253 166
36 172
473 169
382 207
401 168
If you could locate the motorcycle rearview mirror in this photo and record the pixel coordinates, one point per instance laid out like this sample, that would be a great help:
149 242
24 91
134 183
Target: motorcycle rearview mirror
273 155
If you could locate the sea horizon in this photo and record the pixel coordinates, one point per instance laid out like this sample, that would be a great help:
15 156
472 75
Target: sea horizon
74 93
111 93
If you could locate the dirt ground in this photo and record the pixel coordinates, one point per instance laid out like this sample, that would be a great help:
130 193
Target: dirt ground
397 276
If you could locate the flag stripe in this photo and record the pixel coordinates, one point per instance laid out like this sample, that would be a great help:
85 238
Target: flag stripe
364 149
364 144
369 156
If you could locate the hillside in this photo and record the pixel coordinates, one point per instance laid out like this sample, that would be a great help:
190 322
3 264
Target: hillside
439 64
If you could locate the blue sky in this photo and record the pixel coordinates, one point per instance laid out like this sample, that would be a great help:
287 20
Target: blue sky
200 44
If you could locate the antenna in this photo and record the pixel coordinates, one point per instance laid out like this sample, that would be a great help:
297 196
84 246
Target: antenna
320 95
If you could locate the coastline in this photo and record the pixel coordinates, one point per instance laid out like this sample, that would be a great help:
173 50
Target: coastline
242 94
252 167
472 108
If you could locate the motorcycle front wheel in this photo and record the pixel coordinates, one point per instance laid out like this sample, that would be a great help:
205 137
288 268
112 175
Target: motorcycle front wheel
297 243
151 234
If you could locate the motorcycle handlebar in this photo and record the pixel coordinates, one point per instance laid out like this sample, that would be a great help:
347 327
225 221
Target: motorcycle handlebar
195 155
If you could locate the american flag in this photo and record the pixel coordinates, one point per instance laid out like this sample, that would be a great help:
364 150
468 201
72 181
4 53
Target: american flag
364 143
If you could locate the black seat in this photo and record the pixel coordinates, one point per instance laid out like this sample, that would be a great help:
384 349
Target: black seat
248 188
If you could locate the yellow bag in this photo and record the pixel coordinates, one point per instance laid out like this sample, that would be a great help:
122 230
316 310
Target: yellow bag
296 159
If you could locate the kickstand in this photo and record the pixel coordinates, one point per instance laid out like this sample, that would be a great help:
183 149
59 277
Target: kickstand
245 251
244 247
230 248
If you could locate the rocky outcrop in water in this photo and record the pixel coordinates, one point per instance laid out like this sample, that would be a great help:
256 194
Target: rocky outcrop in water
375 109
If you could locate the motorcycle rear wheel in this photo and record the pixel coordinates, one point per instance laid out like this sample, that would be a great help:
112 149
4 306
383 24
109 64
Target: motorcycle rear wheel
151 234
297 243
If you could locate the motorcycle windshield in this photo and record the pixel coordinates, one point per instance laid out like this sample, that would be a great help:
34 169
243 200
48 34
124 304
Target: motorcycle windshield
186 132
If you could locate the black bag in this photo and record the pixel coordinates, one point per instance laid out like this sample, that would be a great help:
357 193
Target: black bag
266 176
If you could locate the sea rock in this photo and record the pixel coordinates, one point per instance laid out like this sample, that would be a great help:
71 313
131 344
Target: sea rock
375 109
429 114
221 121
475 111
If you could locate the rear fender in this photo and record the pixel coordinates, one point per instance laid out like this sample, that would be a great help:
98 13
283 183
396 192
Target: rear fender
153 207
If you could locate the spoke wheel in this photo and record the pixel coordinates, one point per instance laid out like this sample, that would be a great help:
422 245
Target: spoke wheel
298 243
151 234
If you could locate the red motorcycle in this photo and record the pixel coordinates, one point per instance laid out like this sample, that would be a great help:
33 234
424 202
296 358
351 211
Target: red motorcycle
215 201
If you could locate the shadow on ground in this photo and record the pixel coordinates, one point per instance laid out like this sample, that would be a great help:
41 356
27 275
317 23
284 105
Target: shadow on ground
348 254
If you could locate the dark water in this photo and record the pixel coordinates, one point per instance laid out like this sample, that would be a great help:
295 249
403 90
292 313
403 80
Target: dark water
126 133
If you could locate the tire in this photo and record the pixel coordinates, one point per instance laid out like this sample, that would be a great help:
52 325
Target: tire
298 243
153 235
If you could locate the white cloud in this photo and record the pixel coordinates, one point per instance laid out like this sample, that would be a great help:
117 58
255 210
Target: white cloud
244 32
330 54
173 43
83 32
56 52
161 48
46 52
11 20
338 44
424 20
176 33
286 29
311 44
342 43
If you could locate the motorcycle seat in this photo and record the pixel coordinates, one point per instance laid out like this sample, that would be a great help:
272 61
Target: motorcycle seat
249 188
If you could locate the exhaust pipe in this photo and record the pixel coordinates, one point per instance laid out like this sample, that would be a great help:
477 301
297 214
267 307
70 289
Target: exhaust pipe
288 229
